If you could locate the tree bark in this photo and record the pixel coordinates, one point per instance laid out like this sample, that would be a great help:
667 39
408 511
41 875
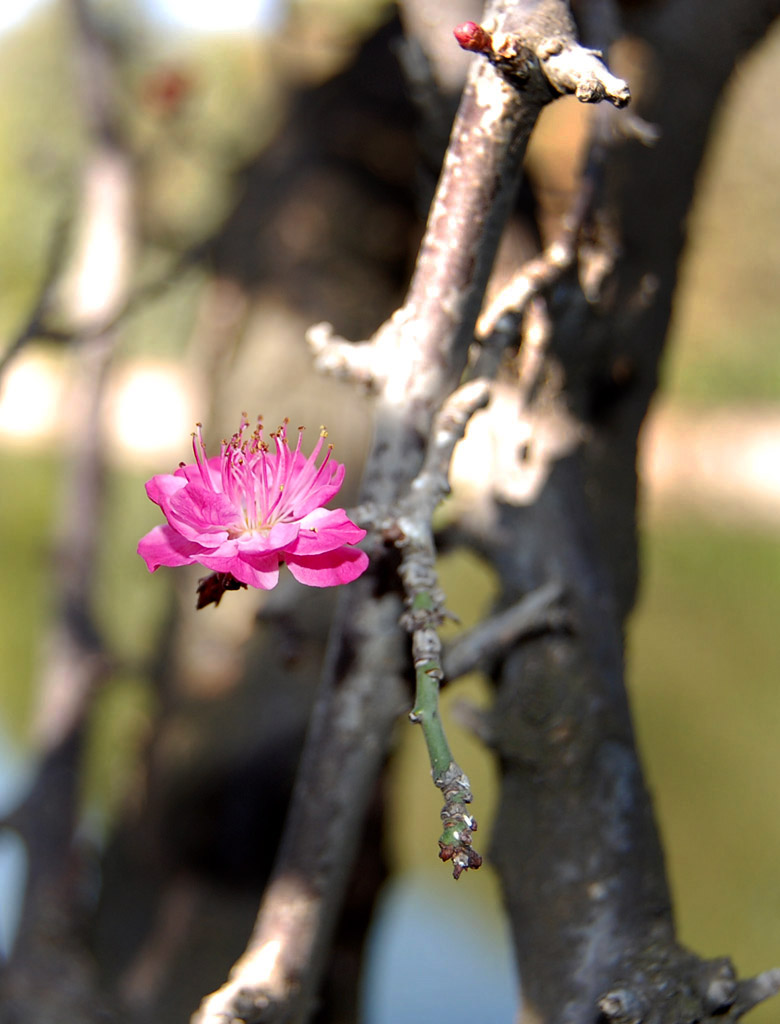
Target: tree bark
575 841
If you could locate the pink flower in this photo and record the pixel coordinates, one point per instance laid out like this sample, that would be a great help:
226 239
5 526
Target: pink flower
244 512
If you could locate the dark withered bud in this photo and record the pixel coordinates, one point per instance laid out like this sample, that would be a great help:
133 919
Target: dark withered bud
211 588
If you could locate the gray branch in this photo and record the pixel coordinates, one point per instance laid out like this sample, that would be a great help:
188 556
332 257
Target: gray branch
419 355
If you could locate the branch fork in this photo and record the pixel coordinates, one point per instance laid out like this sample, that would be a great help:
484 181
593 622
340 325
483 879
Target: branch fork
711 991
567 66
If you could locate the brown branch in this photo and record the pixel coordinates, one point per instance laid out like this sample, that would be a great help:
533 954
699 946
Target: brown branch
534 277
547 41
420 354
537 612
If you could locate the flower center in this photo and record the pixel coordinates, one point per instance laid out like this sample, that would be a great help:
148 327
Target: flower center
265 487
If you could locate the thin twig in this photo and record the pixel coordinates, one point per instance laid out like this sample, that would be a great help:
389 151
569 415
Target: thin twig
425 612
508 306
536 611
35 325
567 66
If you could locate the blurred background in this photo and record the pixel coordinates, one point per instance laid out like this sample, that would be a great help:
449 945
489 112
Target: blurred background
240 236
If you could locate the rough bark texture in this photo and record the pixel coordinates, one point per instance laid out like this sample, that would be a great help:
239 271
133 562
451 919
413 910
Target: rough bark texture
575 842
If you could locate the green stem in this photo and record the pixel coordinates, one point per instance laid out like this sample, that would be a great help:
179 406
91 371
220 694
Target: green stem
455 840
426 713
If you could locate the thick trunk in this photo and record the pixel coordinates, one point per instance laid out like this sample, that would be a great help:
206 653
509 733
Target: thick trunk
575 843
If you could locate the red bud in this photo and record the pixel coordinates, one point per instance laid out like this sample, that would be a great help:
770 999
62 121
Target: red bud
472 36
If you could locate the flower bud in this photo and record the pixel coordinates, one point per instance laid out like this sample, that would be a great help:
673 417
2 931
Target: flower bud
472 36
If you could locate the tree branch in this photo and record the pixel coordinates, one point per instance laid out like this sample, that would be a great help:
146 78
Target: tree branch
537 612
425 613
419 355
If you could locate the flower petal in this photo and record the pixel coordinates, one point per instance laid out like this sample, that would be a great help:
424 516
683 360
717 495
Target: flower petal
164 546
329 569
257 572
263 542
260 570
200 514
162 487
323 530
